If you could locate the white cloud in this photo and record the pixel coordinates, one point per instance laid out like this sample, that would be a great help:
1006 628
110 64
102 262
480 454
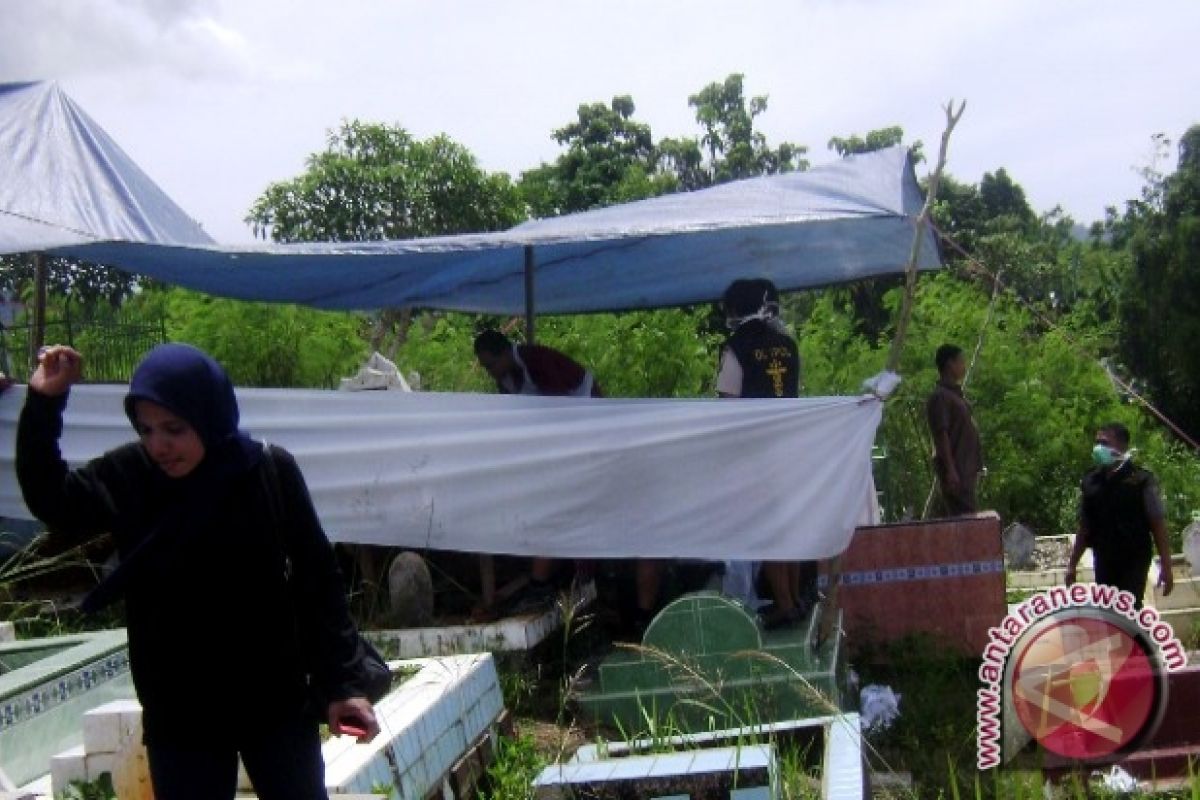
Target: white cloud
60 38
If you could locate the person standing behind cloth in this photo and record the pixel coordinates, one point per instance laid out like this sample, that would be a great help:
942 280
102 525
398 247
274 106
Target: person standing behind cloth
761 360
222 643
958 459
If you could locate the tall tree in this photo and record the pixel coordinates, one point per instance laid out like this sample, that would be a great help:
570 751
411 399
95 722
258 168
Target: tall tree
375 182
877 139
378 182
1160 311
735 149
610 158
1038 256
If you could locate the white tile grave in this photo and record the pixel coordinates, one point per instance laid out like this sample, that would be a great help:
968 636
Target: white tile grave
428 723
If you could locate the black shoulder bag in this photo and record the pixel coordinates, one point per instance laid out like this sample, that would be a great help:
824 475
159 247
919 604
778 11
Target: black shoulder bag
371 672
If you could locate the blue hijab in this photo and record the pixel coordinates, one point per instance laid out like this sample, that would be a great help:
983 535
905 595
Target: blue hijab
191 385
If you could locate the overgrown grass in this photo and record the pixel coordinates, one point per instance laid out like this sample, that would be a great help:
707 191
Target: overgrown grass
511 774
542 693
34 617
934 736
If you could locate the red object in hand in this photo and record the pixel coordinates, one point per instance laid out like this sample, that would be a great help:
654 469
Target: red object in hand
352 730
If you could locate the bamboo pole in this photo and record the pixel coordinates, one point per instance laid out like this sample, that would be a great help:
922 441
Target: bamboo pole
828 618
910 271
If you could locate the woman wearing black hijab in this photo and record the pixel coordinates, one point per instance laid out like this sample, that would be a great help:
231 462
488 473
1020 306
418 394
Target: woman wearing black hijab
225 649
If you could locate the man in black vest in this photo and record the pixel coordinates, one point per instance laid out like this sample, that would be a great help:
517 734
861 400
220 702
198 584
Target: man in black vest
760 359
1120 511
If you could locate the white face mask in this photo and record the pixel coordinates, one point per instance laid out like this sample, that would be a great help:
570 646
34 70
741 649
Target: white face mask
768 312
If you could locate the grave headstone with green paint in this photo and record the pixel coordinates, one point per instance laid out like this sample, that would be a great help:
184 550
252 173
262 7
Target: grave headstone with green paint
705 661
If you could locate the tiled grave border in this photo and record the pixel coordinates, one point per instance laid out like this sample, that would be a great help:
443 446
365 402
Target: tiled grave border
522 632
919 572
430 722
56 679
842 762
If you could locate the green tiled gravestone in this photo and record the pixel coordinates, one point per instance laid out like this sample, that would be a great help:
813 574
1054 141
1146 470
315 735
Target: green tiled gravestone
705 661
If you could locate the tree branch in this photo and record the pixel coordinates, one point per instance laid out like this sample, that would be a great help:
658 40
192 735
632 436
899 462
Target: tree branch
910 271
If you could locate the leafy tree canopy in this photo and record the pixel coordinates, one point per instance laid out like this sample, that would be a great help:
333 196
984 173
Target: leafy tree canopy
877 139
82 283
1160 310
735 149
610 158
378 182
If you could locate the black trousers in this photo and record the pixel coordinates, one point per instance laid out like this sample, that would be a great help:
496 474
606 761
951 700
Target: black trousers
1122 570
283 764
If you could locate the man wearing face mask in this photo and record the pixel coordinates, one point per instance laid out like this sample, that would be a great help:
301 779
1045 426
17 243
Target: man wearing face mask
760 359
1120 511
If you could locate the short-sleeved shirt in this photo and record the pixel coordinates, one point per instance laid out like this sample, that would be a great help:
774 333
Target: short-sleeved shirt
729 379
947 410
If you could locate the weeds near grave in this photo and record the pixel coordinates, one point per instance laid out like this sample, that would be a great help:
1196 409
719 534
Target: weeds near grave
43 618
935 731
518 687
1191 640
518 760
385 789
667 730
99 789
25 563
707 699
511 774
797 780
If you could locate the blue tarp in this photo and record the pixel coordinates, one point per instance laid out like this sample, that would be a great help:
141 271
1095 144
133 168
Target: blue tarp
845 221
64 181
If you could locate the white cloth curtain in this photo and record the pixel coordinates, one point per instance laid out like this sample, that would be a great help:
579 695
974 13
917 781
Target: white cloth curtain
565 477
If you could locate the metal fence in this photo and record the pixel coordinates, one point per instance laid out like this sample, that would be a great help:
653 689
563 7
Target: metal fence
111 349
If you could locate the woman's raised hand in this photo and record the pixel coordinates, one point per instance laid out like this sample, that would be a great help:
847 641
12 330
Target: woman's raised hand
59 367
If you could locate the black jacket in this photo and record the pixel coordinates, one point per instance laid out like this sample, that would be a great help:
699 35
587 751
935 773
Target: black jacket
218 640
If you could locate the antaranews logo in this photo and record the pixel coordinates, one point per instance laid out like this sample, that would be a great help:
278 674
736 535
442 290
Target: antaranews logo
1078 669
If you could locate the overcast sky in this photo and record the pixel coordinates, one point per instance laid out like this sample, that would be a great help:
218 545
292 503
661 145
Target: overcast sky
215 99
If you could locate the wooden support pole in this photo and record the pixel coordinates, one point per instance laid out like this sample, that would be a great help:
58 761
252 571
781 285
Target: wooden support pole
893 362
38 337
530 300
